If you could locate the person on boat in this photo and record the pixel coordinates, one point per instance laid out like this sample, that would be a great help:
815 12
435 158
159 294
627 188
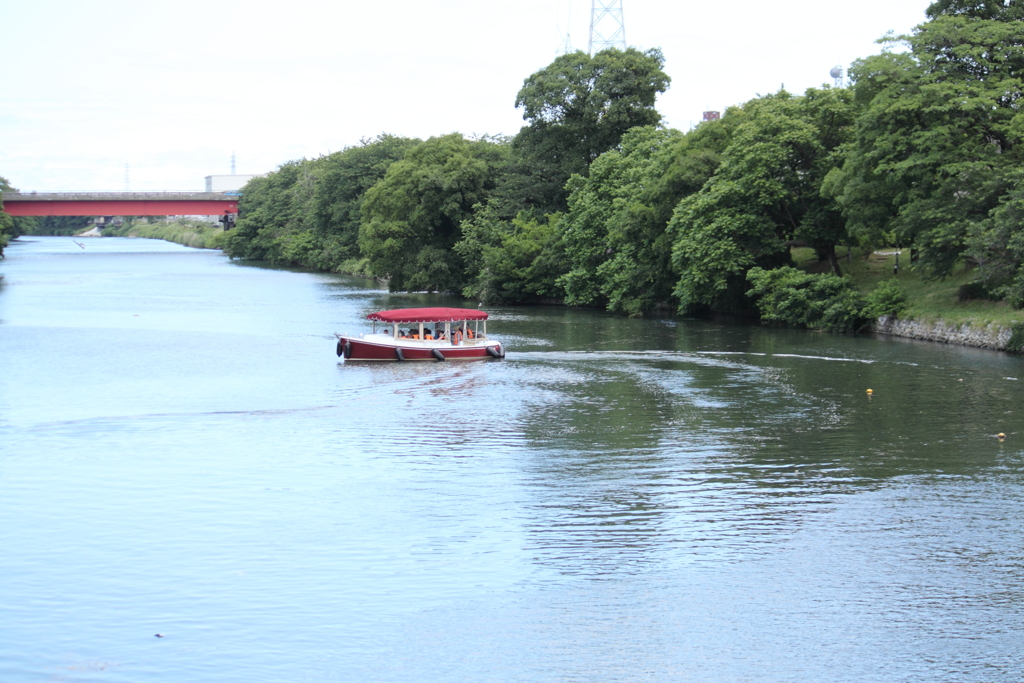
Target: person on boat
469 332
457 336
427 333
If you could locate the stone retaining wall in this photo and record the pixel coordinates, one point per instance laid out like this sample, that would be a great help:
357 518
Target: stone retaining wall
991 337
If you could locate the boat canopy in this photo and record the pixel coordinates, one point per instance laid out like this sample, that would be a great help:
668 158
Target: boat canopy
427 315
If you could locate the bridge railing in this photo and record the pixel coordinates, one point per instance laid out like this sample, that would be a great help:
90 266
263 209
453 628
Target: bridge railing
113 196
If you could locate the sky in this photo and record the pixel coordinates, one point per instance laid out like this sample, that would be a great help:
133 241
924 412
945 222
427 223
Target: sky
171 90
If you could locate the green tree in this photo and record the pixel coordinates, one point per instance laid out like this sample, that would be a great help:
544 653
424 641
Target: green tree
338 198
579 107
767 194
60 225
412 218
12 226
512 261
307 213
938 140
275 215
997 245
820 301
615 233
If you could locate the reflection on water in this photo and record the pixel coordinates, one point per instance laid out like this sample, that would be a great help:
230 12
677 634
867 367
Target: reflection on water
649 499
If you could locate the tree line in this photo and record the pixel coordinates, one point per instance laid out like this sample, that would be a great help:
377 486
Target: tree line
12 227
595 203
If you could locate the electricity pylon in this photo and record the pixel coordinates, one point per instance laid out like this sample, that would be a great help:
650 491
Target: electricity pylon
607 28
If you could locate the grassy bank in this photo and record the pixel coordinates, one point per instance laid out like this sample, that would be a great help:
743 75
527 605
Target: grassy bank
188 233
202 235
929 300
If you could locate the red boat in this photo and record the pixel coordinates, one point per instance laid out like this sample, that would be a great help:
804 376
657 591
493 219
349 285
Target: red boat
436 334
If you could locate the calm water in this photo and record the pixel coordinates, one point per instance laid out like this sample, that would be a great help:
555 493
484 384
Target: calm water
620 500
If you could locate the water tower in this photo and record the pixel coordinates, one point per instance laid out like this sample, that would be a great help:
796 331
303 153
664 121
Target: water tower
837 73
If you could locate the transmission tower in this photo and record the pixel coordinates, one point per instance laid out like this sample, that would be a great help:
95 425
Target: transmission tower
566 46
607 28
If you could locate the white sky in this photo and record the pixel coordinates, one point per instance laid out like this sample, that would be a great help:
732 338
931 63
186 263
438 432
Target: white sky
173 88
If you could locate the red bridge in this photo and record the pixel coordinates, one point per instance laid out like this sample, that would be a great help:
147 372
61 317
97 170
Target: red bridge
119 204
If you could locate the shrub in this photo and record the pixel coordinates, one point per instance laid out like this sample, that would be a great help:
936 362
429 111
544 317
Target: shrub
1016 341
819 301
888 298
976 290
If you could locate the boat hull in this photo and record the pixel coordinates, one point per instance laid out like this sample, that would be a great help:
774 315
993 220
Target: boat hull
357 349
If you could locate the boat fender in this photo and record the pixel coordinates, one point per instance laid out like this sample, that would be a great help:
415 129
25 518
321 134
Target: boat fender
493 352
399 355
348 349
341 347
437 354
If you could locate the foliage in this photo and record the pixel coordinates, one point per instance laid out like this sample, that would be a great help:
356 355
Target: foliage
768 190
888 298
579 107
997 245
1016 341
412 218
307 213
818 301
273 209
938 139
615 233
60 225
341 185
11 226
185 231
514 261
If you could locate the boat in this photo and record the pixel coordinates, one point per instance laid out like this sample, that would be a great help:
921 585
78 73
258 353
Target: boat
432 334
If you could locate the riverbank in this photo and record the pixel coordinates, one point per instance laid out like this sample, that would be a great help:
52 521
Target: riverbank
187 233
948 311
937 310
992 336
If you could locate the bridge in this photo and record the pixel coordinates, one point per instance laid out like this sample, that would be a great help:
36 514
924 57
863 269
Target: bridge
119 203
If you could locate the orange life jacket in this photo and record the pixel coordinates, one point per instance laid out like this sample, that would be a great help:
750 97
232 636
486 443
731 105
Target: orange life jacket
469 333
457 338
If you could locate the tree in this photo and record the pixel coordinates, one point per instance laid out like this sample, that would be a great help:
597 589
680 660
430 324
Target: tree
580 106
412 218
12 226
997 245
821 301
307 213
341 186
766 195
938 142
512 261
274 210
615 233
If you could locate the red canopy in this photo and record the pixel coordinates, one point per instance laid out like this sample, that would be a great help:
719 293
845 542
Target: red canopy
427 315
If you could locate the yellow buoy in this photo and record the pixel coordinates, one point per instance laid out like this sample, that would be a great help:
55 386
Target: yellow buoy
870 392
1000 435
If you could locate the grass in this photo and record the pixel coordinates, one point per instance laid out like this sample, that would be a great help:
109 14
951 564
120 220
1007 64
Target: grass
189 233
929 300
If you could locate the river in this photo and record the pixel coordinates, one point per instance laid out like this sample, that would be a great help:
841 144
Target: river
182 454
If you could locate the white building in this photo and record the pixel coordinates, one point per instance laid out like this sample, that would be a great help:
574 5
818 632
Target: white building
226 183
